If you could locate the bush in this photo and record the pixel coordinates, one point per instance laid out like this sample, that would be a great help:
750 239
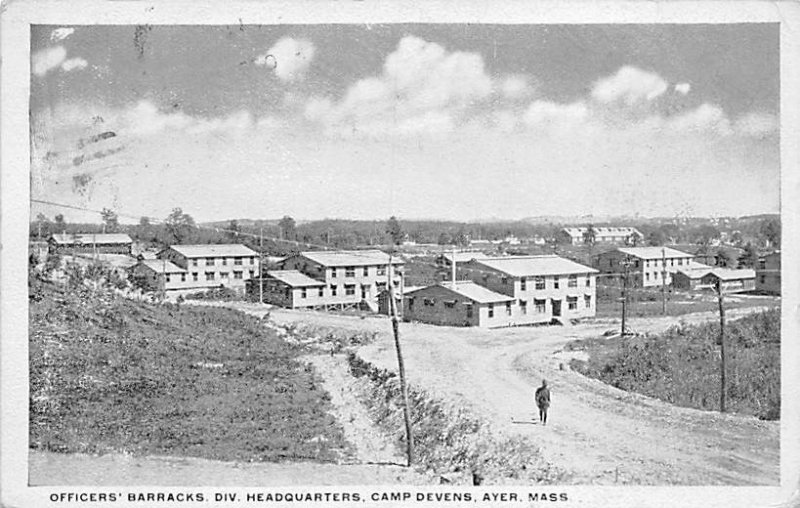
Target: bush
222 294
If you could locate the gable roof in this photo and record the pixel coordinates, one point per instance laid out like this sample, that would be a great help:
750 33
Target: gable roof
161 266
654 252
524 266
213 250
294 278
91 238
468 290
733 274
350 257
462 257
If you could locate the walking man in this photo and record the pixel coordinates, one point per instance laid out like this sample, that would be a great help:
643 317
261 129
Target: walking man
543 401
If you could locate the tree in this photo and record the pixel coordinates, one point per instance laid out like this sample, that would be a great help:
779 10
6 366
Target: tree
110 220
61 224
705 234
43 226
394 230
288 228
233 229
770 231
462 238
750 257
444 238
179 226
633 239
655 238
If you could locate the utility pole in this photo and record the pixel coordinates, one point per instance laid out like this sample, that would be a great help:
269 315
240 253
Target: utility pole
400 365
261 266
663 281
721 346
626 263
453 267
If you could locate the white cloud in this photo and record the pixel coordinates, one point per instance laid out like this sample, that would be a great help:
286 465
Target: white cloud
514 87
48 59
757 124
629 85
683 88
423 87
289 58
706 117
74 63
59 34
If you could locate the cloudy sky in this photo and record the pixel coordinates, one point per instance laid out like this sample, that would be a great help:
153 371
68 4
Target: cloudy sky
419 121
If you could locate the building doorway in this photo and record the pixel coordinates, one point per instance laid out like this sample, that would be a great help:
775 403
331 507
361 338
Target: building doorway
556 304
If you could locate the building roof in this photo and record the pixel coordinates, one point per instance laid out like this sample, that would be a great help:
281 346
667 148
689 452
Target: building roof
213 250
603 230
469 290
350 257
654 252
294 278
695 272
161 266
524 266
90 238
732 274
462 257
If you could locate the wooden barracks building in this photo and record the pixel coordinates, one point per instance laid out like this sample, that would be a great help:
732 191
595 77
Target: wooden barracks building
646 264
329 279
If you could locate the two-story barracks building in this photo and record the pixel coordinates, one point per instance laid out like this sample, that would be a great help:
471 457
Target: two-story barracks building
347 278
647 266
209 266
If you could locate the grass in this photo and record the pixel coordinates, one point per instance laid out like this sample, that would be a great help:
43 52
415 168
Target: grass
113 375
682 365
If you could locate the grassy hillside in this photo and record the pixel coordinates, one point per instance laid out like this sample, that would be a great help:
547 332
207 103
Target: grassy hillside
113 375
682 365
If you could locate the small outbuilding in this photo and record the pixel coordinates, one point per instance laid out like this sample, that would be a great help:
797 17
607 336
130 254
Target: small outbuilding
291 289
463 303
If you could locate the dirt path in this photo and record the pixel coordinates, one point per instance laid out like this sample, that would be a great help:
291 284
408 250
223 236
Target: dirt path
601 434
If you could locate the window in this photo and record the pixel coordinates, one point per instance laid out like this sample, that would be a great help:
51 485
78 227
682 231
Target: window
167 277
237 261
680 262
380 286
539 282
333 272
556 282
237 274
209 275
252 260
672 262
321 292
572 302
508 308
349 289
183 277
224 261
503 280
223 275
364 290
522 284
410 302
491 310
469 310
588 281
195 276
303 293
350 271
587 301
333 290
647 276
763 279
209 261
382 271
523 306
366 271
636 263
194 262
428 302
572 282
541 306
450 304
762 264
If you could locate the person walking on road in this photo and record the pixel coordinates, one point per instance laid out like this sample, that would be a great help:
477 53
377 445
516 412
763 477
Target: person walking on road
543 401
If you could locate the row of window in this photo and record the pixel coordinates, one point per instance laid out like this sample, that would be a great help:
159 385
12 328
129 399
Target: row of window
349 289
350 271
237 261
539 305
209 276
539 282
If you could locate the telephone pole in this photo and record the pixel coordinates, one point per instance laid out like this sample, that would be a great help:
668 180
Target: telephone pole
400 365
663 281
626 263
261 266
721 346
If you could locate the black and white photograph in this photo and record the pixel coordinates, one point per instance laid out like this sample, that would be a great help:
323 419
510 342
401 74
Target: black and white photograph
397 258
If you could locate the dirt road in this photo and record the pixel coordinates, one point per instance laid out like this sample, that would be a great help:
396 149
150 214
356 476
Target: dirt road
598 433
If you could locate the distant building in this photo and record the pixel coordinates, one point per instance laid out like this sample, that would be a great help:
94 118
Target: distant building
160 274
350 277
463 303
288 288
445 260
722 255
213 265
543 287
648 265
768 273
733 280
622 235
90 243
